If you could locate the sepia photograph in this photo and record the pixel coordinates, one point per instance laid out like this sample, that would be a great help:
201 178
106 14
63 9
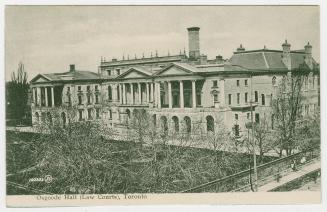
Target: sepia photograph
113 104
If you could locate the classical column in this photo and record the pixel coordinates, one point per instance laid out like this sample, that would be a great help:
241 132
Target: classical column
147 93
33 95
132 92
52 97
124 93
120 93
222 92
114 93
140 93
152 93
46 96
158 95
193 94
169 95
181 94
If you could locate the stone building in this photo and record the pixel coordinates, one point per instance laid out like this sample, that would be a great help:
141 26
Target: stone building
183 93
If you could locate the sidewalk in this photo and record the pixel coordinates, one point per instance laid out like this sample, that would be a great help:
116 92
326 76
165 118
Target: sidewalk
290 177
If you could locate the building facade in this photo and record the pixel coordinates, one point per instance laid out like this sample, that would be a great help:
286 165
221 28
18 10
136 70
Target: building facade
183 93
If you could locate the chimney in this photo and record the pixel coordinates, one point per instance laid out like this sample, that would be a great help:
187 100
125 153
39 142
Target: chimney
194 42
203 59
72 67
286 56
219 59
308 55
240 49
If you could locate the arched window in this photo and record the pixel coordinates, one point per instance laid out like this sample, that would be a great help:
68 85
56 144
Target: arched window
273 81
188 124
37 117
49 118
109 93
128 112
210 124
176 123
164 124
63 118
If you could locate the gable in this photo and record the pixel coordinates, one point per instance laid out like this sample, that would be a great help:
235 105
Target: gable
174 70
134 74
39 78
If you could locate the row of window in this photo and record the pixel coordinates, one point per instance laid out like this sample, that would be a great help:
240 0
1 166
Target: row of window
89 114
111 72
246 98
89 99
215 83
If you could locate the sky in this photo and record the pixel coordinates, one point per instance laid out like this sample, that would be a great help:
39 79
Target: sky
46 39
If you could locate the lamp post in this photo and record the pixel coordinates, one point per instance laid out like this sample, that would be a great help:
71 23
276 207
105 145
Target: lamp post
251 125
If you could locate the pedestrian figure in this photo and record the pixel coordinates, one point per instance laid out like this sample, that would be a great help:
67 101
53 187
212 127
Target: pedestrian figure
293 165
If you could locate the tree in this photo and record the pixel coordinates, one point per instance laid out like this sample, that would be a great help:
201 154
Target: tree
264 141
287 108
17 94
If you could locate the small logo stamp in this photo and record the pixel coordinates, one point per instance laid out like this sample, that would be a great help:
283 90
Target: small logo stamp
46 179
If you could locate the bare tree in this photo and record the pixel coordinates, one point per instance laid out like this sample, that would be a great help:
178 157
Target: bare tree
287 108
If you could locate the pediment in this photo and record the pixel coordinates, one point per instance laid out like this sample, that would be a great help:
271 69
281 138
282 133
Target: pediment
132 74
174 70
40 78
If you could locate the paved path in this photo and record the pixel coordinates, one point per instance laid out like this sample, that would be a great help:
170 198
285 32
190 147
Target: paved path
291 176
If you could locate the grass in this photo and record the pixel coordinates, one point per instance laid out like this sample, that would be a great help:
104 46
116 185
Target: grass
186 168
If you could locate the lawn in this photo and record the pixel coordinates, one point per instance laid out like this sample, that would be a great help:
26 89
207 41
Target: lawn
118 167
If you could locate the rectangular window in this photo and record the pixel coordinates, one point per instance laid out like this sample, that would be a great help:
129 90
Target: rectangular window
238 98
97 111
118 72
79 88
248 116
96 88
80 115
272 121
80 100
236 116
89 113
198 99
88 88
110 114
256 96
215 97
246 82
109 72
229 99
88 99
257 118
263 99
96 99
68 89
214 83
237 83
246 97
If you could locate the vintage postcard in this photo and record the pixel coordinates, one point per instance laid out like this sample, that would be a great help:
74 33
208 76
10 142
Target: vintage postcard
139 105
